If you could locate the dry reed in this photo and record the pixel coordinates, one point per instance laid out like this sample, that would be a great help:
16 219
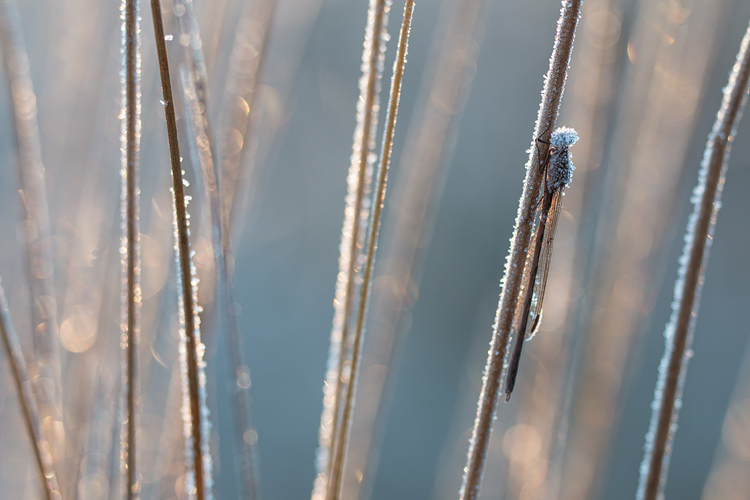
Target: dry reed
554 84
342 439
195 414
679 332
328 462
428 148
131 259
204 154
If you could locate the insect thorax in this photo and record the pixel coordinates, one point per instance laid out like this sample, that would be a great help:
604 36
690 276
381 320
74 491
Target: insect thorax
560 170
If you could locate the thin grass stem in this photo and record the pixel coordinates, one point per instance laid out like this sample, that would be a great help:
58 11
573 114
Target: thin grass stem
628 230
352 239
691 275
554 85
195 412
131 259
195 86
428 147
25 392
246 456
341 440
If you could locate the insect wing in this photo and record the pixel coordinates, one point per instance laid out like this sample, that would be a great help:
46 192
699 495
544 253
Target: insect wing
527 281
540 283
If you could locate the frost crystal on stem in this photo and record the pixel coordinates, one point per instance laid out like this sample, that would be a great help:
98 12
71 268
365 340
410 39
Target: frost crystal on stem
356 214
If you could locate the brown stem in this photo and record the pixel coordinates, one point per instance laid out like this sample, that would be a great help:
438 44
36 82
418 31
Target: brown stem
364 138
554 84
385 158
428 146
131 259
183 247
699 236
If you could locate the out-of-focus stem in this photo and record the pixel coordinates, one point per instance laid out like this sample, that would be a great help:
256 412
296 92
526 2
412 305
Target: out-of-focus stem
26 399
728 479
36 227
246 459
195 85
652 127
341 440
240 109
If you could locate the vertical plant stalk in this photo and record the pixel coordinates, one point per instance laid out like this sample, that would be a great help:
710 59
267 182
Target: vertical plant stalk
36 227
25 392
651 125
195 85
195 411
554 85
428 146
352 239
246 452
341 440
591 85
691 275
130 245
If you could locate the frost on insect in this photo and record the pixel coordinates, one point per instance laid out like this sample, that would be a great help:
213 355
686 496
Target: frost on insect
560 170
356 215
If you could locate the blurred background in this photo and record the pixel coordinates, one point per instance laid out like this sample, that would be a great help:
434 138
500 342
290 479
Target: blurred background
643 90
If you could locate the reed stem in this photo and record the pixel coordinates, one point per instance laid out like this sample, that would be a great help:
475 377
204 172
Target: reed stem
554 85
131 300
372 240
197 440
691 275
203 149
358 180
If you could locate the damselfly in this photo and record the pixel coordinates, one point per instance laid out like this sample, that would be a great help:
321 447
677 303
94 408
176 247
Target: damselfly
557 170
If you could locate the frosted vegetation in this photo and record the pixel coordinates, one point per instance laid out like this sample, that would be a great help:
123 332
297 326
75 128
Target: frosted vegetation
172 196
